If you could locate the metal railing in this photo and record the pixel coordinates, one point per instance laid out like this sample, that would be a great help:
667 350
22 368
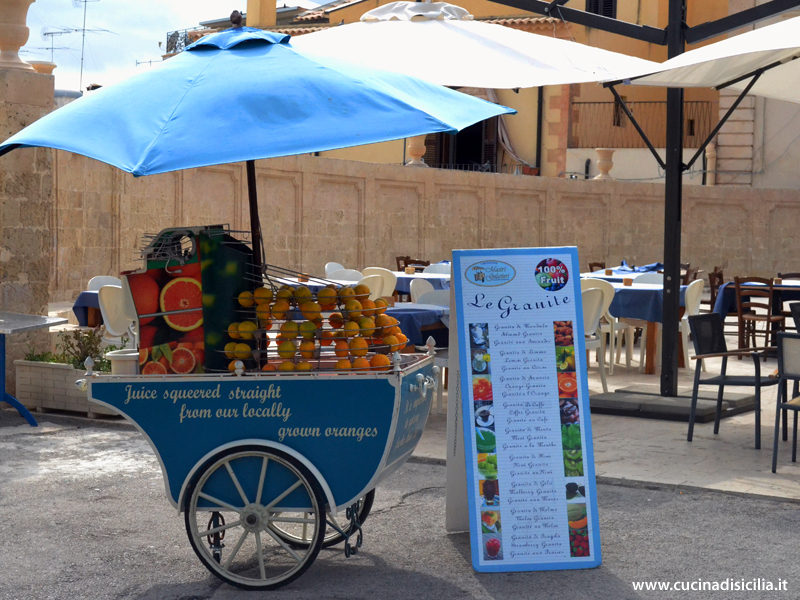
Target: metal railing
178 40
605 124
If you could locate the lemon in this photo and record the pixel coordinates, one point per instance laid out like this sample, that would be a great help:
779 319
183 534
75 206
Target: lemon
486 358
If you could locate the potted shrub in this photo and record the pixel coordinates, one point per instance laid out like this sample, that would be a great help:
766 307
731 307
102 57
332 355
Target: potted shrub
46 380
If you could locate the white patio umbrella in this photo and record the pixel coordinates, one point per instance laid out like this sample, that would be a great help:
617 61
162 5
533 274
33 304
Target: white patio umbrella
738 59
441 43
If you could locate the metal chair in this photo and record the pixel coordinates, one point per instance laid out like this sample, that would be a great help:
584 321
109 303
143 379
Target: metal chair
709 342
754 305
407 261
715 279
788 369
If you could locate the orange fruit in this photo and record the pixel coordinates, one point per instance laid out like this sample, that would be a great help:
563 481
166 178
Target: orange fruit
307 348
342 349
326 298
243 351
343 364
308 330
302 295
230 348
246 299
380 306
380 362
279 309
182 293
233 330
246 329
362 291
232 365
144 354
336 320
286 365
346 293
154 368
269 366
368 307
304 365
358 346
262 295
402 338
394 330
392 342
353 309
361 364
351 329
262 312
289 330
367 326
287 349
383 321
310 310
286 293
327 338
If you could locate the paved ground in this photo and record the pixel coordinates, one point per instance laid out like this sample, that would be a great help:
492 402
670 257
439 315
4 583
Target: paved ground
86 517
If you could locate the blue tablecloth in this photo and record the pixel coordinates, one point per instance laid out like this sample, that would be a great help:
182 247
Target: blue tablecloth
644 301
726 297
439 281
82 305
413 316
651 268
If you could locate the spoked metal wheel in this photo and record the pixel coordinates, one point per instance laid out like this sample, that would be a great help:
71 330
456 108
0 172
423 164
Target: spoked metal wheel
332 536
233 507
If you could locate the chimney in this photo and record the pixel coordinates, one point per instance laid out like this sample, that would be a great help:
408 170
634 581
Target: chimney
261 13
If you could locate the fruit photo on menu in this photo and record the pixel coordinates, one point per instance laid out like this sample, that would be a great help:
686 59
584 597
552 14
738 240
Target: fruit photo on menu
492 547
490 492
478 335
565 359
490 521
562 330
568 408
567 385
578 529
482 389
487 465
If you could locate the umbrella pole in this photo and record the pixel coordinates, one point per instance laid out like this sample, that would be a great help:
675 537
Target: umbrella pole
255 223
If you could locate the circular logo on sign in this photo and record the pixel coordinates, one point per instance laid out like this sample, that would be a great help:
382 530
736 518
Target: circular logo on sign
552 274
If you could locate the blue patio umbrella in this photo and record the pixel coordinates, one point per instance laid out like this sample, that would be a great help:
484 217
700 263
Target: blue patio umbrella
245 94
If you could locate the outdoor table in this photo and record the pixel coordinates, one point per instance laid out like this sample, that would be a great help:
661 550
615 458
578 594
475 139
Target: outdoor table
86 301
417 319
440 281
17 323
618 275
644 302
725 304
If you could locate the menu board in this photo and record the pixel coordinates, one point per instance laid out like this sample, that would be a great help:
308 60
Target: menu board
528 440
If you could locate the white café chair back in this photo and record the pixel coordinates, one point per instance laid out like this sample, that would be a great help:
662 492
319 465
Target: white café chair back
419 287
691 301
437 268
95 283
346 275
438 297
331 267
375 285
650 278
119 314
611 325
389 278
592 311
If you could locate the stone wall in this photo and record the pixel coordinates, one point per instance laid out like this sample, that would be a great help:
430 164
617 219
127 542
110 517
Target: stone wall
315 210
26 192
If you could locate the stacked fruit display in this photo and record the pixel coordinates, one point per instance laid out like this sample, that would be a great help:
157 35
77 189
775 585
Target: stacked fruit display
297 330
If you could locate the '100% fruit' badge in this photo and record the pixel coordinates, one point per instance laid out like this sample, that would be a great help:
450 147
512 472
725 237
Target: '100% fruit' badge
551 274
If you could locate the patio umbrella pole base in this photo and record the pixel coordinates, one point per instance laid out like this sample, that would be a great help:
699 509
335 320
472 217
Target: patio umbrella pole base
639 401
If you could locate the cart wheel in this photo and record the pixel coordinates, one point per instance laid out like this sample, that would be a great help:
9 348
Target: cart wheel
332 537
254 490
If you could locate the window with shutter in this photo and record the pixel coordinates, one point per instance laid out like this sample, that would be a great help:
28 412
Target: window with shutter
605 8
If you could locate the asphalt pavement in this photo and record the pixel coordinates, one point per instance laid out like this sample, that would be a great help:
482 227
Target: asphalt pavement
86 516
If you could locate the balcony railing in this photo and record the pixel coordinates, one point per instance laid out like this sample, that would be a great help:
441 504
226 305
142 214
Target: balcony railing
178 40
605 124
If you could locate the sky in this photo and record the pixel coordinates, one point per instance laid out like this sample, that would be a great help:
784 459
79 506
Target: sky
134 30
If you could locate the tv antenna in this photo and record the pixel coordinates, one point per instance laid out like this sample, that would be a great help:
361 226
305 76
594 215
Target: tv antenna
77 4
147 62
46 33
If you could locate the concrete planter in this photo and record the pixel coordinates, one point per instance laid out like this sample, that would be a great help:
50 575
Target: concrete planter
51 386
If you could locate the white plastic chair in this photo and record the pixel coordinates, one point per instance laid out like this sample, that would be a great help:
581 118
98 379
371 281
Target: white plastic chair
375 285
650 278
437 268
119 316
389 278
331 267
95 283
691 302
438 297
419 287
592 311
611 325
346 275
